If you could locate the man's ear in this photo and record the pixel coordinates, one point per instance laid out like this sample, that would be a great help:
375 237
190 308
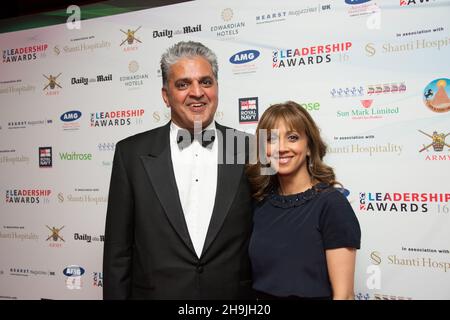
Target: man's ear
165 96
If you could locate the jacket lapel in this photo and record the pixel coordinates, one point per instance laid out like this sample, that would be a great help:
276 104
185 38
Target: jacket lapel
228 179
158 165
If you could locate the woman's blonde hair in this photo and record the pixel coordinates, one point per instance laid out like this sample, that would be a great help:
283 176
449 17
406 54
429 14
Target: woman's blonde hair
298 119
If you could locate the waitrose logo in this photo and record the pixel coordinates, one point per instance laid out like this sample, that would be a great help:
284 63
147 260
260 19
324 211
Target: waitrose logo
75 156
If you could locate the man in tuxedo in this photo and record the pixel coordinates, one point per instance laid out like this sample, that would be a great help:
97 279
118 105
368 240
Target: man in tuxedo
179 211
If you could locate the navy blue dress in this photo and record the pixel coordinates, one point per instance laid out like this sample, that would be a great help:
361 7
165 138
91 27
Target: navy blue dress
290 236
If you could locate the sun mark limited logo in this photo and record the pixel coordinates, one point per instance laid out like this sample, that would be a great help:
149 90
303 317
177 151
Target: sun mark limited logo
435 95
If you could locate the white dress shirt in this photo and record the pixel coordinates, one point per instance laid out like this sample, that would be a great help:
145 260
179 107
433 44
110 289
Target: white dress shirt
195 169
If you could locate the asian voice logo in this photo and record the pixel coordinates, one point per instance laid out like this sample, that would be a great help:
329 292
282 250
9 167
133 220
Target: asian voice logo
435 95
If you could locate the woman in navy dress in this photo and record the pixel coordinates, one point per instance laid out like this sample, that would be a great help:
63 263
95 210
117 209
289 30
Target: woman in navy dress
305 232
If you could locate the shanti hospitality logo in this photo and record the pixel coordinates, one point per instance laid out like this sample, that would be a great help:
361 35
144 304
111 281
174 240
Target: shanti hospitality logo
297 57
24 53
435 95
434 149
248 110
45 157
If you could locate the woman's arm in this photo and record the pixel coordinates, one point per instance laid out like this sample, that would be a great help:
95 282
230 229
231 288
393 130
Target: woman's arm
341 270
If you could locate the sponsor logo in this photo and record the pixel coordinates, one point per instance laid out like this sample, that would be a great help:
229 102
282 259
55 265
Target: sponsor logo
355 2
84 46
15 87
88 238
370 150
117 118
248 110
398 202
229 29
74 274
298 57
386 88
361 8
270 17
167 33
24 124
55 236
130 40
73 156
106 146
316 9
32 196
436 145
25 272
244 56
243 61
45 157
435 95
97 279
419 44
6 159
367 112
52 85
85 81
82 196
24 53
134 80
346 92
70 120
18 235
405 3
311 106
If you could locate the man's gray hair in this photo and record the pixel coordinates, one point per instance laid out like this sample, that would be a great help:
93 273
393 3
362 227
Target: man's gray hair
186 49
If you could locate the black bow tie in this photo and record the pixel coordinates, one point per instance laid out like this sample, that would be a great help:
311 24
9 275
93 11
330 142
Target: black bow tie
185 138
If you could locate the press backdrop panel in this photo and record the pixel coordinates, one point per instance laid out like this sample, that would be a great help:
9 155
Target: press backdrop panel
374 75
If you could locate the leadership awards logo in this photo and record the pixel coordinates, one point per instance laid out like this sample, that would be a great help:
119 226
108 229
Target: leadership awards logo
248 110
125 117
298 57
74 274
130 41
51 88
434 150
435 95
97 279
24 53
407 202
28 196
45 157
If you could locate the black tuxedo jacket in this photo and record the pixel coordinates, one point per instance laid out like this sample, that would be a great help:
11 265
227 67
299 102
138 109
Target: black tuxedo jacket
148 253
